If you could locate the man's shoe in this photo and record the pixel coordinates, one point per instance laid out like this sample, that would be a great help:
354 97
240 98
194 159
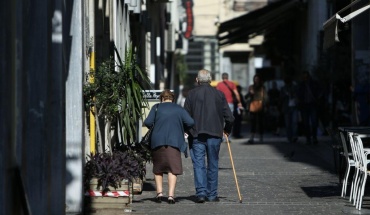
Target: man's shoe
201 199
213 200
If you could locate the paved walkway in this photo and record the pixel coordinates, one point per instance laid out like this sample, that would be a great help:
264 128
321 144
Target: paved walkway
269 182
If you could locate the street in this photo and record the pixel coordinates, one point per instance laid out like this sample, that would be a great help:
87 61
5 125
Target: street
270 182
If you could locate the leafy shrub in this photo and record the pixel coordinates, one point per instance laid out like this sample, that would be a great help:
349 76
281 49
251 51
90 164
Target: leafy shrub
111 169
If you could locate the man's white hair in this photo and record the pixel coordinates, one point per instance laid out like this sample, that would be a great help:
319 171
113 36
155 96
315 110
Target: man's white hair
204 76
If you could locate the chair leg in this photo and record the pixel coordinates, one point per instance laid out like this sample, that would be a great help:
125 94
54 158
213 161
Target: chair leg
362 192
345 181
359 189
355 191
353 187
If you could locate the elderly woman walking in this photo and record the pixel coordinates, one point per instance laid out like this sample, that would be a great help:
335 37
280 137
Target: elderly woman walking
167 141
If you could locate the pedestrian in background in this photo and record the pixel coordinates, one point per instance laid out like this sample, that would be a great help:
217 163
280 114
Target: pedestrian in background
232 97
309 93
229 88
274 108
289 109
257 92
213 118
238 115
170 122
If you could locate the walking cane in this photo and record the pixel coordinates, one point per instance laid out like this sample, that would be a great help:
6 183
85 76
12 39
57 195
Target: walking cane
232 164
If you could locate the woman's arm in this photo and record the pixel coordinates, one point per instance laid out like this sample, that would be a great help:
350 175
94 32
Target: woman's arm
149 121
187 120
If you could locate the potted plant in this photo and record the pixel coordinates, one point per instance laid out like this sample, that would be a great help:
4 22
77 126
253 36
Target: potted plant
116 94
111 169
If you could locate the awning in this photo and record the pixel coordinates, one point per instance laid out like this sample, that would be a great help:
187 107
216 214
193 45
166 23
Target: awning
331 26
240 29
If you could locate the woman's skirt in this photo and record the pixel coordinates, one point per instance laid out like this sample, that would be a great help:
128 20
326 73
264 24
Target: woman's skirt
167 159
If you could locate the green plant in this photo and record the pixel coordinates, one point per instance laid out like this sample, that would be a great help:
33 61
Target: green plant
181 67
117 92
117 95
132 102
111 169
117 88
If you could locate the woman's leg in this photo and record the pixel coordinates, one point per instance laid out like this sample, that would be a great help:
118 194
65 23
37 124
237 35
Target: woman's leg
260 123
253 120
171 184
158 183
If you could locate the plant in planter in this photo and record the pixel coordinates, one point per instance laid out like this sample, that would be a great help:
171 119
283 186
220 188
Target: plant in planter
111 169
116 94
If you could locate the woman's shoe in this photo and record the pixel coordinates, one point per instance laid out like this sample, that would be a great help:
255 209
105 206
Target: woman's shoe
158 198
171 200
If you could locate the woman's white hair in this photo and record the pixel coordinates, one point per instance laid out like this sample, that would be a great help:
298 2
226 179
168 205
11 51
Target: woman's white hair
204 76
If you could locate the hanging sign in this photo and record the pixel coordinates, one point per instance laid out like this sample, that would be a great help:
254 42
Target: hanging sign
188 5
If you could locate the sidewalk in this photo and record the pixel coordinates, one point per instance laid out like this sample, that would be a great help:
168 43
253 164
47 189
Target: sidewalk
269 182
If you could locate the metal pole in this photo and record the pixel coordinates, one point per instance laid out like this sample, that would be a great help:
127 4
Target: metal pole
92 68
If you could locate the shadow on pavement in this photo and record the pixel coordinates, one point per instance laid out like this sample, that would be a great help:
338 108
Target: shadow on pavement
322 191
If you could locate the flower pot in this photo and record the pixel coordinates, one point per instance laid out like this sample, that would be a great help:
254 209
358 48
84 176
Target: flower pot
103 202
94 185
137 186
119 198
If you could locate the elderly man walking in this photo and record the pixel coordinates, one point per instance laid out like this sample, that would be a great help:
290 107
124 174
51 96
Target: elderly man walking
213 118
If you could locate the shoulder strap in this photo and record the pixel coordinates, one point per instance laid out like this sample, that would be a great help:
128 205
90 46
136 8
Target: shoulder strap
155 113
228 86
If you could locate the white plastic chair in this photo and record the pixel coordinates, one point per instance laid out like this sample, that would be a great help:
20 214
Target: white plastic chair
363 171
360 158
350 163
355 153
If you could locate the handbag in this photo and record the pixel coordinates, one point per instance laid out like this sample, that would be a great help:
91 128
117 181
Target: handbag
235 99
146 140
256 105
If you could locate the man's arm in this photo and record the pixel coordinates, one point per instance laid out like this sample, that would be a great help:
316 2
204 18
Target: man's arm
228 116
238 97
